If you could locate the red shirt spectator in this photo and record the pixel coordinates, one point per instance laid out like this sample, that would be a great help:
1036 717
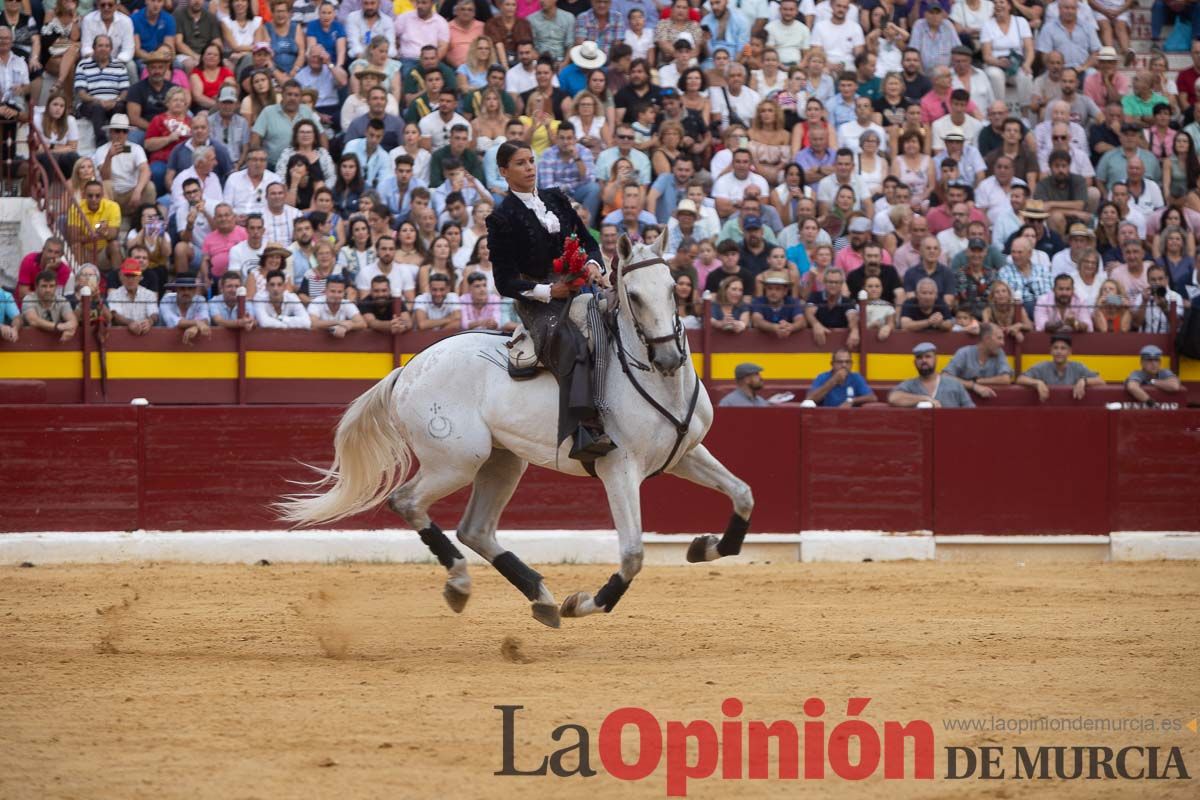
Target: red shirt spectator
217 244
50 257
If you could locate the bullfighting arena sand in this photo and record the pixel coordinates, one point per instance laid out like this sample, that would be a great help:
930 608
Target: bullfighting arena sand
349 681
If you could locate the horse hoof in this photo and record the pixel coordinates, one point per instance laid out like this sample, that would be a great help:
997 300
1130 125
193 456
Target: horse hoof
455 598
547 614
698 550
572 606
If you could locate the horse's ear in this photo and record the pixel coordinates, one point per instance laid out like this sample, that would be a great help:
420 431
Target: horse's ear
660 244
624 247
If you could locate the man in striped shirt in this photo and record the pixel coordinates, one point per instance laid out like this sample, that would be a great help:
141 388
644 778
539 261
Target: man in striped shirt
101 86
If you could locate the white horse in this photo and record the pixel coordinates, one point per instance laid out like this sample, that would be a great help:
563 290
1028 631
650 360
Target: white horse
456 409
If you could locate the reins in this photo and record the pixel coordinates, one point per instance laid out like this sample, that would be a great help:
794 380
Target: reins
681 426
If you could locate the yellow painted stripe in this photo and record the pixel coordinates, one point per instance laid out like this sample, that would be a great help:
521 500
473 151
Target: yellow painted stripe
1189 369
698 363
44 365
330 366
169 366
776 366
1114 369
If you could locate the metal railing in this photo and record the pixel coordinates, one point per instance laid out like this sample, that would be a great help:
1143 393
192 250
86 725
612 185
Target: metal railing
51 190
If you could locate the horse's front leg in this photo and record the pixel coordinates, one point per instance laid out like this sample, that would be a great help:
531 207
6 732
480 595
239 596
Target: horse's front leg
700 467
621 481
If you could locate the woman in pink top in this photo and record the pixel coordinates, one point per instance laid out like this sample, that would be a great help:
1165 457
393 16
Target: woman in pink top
464 29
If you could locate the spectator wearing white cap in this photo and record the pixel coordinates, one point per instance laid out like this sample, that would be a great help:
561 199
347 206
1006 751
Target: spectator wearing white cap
1151 374
929 386
229 127
749 384
123 165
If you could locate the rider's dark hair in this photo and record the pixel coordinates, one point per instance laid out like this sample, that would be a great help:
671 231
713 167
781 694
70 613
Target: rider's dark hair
507 150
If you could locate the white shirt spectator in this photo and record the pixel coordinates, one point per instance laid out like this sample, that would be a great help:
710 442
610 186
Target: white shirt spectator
519 80
1158 321
839 41
437 130
201 227
641 44
991 197
848 134
124 168
421 162
1079 144
319 309
291 313
218 310
788 40
424 302
246 198
827 189
745 103
979 85
401 277
729 187
357 28
1151 198
142 306
121 32
942 125
818 10
210 185
243 257
952 244
279 226
53 139
14 73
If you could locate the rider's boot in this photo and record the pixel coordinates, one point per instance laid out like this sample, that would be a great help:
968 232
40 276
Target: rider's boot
591 442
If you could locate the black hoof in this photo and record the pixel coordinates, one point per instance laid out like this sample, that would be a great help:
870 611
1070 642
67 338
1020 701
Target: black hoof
456 599
698 550
547 614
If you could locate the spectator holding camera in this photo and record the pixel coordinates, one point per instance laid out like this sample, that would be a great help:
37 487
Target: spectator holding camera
1154 313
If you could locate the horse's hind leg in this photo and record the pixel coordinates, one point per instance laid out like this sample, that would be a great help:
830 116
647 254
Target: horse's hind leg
700 467
495 483
412 501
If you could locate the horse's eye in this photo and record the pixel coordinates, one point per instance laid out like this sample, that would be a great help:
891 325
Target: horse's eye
635 297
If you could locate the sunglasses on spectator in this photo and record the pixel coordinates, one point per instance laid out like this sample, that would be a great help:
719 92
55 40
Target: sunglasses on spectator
625 136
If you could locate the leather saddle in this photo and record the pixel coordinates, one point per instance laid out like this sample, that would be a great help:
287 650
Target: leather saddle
523 362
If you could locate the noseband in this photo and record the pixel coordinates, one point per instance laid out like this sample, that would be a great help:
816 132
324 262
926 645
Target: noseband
675 336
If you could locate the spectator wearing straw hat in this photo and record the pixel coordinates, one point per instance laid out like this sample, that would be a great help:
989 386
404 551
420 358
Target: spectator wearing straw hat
749 383
929 386
1151 374
775 312
124 167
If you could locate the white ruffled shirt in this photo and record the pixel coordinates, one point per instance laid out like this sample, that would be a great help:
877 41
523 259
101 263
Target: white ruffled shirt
551 223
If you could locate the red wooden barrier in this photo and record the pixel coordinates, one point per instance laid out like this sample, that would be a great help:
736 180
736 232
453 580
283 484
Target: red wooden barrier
995 471
1002 471
865 469
1153 469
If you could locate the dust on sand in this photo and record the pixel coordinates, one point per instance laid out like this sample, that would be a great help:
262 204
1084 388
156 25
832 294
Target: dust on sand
221 685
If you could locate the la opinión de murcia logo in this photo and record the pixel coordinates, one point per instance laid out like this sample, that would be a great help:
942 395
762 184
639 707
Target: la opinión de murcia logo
732 749
737 749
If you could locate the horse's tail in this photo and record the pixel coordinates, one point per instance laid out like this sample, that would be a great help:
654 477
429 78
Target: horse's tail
371 458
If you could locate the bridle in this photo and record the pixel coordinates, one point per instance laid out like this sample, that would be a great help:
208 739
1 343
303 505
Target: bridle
676 336
681 425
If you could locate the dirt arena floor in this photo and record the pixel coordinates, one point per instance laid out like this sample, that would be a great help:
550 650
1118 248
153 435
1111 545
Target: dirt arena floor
356 681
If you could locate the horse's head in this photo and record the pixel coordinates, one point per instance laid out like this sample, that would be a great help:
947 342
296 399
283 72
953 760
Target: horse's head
646 292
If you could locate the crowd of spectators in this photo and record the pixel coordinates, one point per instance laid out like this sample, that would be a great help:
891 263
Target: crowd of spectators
975 166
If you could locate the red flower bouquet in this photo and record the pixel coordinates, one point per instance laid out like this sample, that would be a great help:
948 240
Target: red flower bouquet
570 265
